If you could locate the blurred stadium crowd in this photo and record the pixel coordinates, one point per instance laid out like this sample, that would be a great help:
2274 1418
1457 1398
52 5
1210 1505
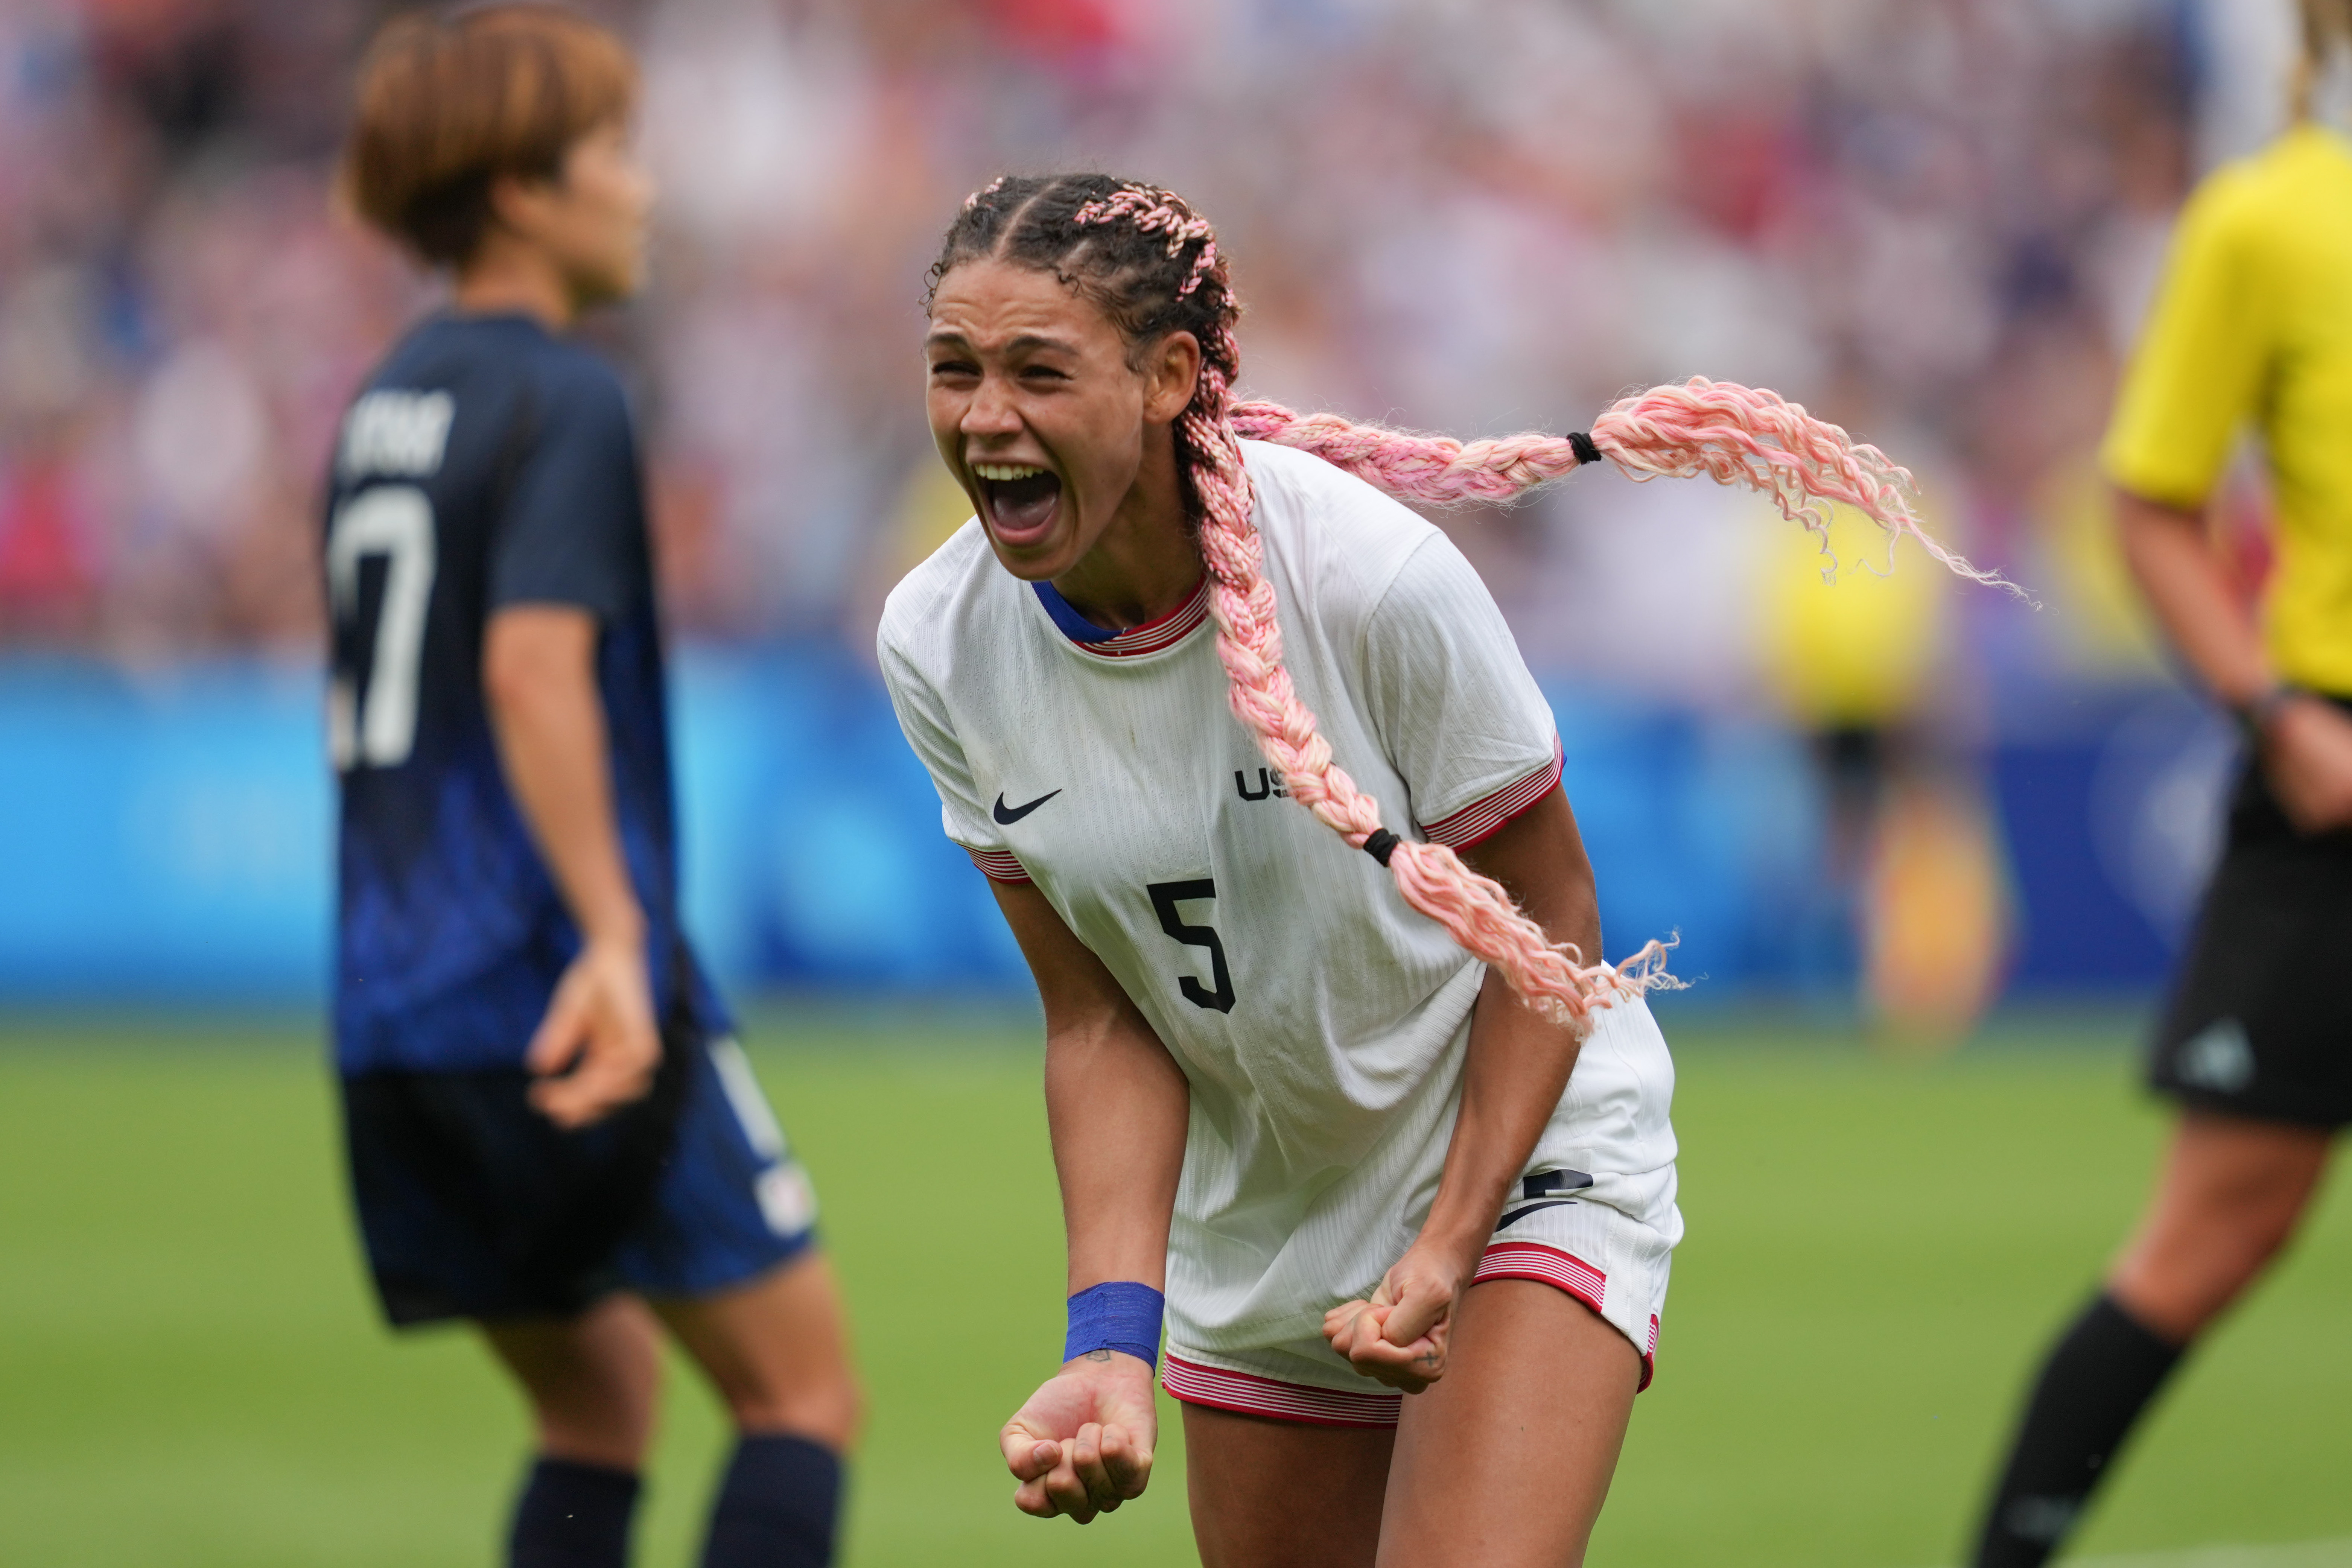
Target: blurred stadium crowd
1933 220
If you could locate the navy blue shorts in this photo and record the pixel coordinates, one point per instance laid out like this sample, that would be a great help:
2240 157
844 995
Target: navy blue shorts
472 1204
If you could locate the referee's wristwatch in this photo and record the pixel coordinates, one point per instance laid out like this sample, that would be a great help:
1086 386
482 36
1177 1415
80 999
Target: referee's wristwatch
2254 715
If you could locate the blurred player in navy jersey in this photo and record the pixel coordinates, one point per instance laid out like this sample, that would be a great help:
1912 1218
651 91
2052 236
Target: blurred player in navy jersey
552 1133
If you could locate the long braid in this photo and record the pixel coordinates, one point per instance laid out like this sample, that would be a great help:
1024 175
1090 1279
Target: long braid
1735 434
1125 245
1433 879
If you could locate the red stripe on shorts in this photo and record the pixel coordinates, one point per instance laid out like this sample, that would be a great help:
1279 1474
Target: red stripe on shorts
998 864
1249 1395
1278 1401
1547 1266
1561 1271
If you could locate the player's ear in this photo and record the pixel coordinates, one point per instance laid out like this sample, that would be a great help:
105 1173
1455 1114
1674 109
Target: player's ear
518 203
1170 373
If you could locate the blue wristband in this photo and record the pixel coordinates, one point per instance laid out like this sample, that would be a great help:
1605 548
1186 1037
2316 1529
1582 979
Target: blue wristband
1118 1315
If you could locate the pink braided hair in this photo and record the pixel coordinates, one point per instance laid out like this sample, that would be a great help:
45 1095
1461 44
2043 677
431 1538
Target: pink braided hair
1733 433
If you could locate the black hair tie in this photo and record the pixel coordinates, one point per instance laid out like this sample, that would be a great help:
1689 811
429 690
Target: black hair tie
1380 844
1581 445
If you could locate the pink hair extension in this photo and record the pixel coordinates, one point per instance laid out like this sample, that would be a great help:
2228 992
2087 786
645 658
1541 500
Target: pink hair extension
1160 211
1732 433
1475 909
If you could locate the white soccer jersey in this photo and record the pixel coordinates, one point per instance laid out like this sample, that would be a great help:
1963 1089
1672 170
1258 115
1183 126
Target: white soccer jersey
1320 1019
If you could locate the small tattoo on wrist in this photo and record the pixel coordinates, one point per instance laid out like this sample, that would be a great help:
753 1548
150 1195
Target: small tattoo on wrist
1095 1356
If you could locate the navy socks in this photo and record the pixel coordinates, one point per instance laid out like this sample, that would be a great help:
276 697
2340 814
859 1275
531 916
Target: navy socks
572 1516
2099 1378
777 1508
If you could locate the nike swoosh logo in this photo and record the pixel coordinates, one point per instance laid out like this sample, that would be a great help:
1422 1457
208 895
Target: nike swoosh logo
1008 815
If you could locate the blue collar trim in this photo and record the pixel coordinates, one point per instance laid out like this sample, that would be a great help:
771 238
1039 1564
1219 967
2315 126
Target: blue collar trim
1075 626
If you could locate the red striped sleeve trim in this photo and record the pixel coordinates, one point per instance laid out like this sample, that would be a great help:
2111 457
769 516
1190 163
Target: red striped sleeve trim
1481 819
1152 636
998 864
1561 1271
1239 1391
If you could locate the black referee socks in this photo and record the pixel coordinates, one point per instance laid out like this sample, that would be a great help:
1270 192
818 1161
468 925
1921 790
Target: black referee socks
572 1516
2094 1385
777 1506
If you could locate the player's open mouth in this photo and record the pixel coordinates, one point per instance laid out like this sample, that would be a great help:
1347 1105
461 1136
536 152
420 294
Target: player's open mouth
1023 499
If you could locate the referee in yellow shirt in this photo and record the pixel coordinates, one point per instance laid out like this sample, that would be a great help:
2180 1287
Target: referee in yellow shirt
2252 327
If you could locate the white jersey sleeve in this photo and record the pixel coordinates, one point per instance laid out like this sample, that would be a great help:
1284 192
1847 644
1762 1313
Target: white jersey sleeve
1449 695
923 715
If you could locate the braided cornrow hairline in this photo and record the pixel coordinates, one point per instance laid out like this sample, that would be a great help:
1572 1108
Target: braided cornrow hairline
1125 243
1035 222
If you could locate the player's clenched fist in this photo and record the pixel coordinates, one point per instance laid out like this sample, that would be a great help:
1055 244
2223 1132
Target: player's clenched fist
1400 1335
1082 1445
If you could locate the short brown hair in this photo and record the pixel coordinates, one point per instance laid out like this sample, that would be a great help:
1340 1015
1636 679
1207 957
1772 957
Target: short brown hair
2327 24
446 105
2326 29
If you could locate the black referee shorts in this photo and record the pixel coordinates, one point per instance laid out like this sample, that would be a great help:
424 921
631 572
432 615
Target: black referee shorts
2261 1023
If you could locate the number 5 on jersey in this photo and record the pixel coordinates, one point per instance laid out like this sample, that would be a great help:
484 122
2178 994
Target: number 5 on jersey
371 701
1165 897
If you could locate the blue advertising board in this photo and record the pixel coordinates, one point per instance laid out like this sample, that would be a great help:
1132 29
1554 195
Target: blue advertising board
168 836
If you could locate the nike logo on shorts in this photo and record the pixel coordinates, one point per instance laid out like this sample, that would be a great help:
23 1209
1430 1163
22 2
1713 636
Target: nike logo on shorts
1544 1190
1008 815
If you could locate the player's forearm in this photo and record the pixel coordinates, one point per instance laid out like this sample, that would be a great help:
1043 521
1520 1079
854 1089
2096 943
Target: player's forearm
1116 1105
1518 1064
539 675
1517 1067
2188 588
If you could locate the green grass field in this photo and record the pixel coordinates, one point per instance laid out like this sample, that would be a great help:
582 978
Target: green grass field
191 1372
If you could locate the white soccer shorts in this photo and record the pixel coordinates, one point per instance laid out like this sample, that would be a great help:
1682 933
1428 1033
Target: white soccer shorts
1552 1231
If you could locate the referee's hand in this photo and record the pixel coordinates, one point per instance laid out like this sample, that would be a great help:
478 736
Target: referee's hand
597 1049
1400 1335
1082 1445
2307 754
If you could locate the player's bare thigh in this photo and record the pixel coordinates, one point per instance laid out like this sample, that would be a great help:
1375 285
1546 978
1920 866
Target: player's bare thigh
776 1349
592 1379
1283 1494
1503 1464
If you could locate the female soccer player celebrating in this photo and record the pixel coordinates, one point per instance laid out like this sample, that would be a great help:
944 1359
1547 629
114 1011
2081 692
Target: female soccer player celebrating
1281 1082
2254 324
